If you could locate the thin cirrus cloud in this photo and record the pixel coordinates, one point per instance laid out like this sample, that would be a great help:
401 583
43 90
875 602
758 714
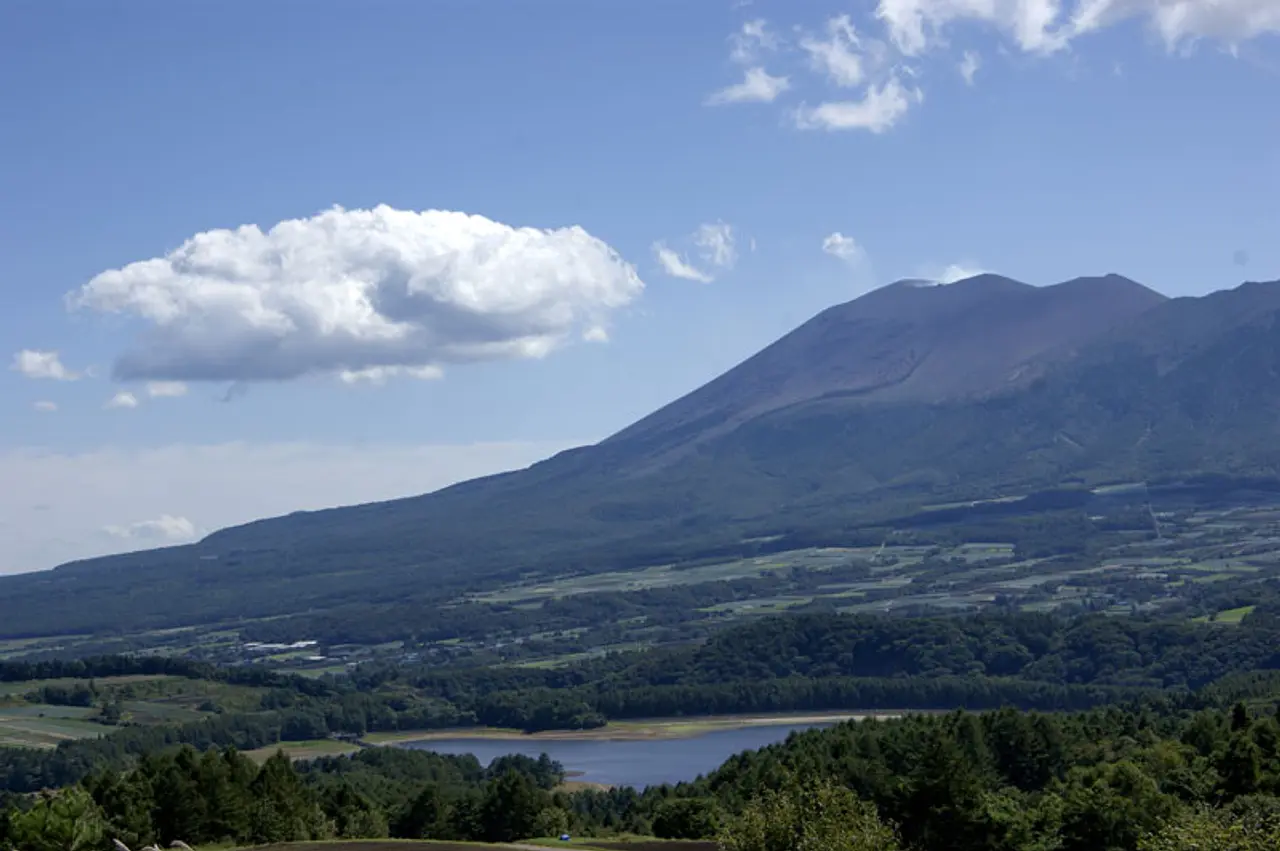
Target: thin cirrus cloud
359 294
873 58
42 365
45 407
715 245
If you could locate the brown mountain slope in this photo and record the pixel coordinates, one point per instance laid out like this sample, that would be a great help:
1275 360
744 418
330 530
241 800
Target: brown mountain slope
906 342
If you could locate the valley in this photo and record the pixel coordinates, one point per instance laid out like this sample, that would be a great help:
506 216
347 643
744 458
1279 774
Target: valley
1120 550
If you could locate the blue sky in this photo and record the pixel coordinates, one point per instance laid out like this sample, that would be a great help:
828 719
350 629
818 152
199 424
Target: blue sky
779 157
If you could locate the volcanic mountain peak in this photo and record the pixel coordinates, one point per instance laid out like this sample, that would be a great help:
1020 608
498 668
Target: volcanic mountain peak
903 343
864 414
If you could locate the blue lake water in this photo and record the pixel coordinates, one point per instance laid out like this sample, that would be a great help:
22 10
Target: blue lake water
622 762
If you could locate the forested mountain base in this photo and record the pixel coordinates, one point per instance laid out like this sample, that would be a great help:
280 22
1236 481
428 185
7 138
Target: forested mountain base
784 664
1137 779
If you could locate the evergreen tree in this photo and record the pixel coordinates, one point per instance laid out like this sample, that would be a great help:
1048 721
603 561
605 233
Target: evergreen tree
511 806
427 816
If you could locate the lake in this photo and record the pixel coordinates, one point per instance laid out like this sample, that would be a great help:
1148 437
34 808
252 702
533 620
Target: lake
627 762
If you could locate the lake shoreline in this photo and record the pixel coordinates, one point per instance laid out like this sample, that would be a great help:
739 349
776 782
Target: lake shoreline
680 727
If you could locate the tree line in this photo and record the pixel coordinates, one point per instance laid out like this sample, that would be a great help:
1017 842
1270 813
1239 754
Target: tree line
1144 777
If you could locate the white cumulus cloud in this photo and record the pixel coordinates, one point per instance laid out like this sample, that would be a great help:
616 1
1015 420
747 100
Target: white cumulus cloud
878 110
354 290
757 86
42 365
165 528
843 247
122 401
969 65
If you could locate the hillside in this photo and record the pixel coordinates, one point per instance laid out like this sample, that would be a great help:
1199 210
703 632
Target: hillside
907 396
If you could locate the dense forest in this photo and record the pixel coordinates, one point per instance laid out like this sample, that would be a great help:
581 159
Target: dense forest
1146 777
795 663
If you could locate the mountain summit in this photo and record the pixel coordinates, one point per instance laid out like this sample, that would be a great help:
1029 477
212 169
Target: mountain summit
904 343
907 396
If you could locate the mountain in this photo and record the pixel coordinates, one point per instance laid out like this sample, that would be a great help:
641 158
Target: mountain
907 342
907 396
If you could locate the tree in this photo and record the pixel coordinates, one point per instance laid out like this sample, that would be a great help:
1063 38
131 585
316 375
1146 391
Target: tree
127 802
819 816
1240 766
282 810
1213 830
687 818
552 821
427 816
354 815
68 820
1108 809
511 806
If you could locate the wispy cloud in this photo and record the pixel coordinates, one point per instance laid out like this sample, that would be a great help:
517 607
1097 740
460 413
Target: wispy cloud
164 528
878 110
845 248
837 55
757 86
166 389
953 272
751 40
122 401
716 243
39 364
865 59
677 267
45 407
716 246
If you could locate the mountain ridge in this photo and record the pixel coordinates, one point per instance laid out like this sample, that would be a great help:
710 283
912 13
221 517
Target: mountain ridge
1116 382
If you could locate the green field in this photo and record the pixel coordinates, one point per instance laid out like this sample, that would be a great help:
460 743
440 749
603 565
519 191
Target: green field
143 699
666 576
1227 616
40 726
304 750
